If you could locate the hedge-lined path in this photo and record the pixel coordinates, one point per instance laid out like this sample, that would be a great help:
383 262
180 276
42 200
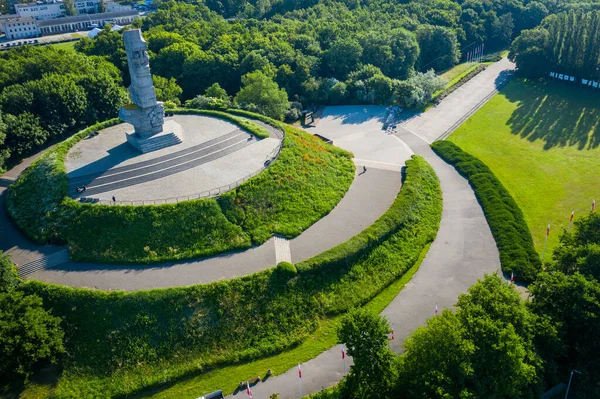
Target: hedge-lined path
377 188
462 252
461 103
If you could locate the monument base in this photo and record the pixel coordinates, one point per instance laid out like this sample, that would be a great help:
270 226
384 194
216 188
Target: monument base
170 135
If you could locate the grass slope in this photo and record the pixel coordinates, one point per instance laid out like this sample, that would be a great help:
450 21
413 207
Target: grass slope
120 343
542 141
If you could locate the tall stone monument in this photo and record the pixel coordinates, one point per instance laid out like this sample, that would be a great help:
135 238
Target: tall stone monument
146 114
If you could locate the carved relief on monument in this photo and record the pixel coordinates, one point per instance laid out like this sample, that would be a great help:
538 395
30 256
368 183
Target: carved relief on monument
148 117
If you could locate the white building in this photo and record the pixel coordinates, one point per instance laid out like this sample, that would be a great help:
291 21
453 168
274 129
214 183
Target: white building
19 28
41 10
25 27
50 9
85 22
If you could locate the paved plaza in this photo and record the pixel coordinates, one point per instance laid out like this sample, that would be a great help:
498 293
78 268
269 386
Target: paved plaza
359 129
214 153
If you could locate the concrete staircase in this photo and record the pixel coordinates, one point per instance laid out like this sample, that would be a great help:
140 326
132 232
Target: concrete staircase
44 262
154 143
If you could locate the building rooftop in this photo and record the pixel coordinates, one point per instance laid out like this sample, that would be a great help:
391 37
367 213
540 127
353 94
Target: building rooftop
16 18
87 17
37 3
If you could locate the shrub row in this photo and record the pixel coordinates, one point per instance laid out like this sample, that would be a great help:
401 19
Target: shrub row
120 343
513 239
468 76
307 180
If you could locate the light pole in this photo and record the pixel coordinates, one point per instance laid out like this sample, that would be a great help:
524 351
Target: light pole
570 378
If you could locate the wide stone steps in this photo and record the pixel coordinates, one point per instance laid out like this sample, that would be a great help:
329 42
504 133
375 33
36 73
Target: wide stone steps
45 262
112 182
158 143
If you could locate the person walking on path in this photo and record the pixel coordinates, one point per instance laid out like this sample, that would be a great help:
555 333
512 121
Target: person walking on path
114 199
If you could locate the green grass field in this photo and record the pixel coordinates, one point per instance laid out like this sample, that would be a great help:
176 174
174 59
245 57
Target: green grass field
542 141
67 46
455 73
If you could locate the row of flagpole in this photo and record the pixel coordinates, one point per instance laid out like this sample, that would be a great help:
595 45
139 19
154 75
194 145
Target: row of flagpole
393 335
476 54
343 349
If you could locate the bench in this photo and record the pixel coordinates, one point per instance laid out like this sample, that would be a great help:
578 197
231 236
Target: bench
325 139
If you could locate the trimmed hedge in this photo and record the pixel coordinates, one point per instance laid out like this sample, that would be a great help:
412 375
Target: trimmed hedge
307 180
120 343
506 221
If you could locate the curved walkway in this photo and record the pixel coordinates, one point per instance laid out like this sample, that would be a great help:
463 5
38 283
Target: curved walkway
324 234
462 252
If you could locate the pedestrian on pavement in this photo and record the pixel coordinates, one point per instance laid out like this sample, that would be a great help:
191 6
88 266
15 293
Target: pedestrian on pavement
114 199
364 169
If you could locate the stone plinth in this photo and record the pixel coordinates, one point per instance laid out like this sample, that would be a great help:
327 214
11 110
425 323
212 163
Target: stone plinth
146 121
170 135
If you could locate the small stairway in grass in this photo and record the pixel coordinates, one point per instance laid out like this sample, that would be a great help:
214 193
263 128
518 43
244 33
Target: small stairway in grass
45 262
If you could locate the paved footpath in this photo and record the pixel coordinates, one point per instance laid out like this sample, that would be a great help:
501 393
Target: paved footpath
462 102
462 252
384 184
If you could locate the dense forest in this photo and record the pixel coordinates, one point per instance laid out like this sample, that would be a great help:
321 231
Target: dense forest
566 43
493 344
47 94
295 53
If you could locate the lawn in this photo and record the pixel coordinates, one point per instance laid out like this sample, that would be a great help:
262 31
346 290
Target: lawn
542 142
67 46
455 73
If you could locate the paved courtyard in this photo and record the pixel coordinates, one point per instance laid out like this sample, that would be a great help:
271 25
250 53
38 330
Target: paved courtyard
213 154
359 129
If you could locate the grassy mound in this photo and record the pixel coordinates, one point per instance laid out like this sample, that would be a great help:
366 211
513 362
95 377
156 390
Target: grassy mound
542 141
506 221
307 180
120 343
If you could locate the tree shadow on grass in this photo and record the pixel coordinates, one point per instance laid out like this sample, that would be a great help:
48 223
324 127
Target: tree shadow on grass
561 115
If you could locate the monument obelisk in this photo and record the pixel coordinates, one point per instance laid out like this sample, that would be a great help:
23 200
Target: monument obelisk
145 113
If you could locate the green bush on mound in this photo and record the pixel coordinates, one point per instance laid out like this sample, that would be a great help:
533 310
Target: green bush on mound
307 180
120 343
513 239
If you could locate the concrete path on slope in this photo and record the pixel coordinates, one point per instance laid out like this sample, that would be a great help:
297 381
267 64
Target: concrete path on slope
376 187
462 252
461 103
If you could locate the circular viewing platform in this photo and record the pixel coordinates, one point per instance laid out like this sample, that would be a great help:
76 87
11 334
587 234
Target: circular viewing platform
214 157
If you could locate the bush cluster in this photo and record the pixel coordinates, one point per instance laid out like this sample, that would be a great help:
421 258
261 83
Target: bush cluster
307 180
121 342
29 335
513 239
33 200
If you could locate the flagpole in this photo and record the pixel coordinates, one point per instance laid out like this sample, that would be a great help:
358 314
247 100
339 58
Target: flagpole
545 243
344 359
300 379
570 221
